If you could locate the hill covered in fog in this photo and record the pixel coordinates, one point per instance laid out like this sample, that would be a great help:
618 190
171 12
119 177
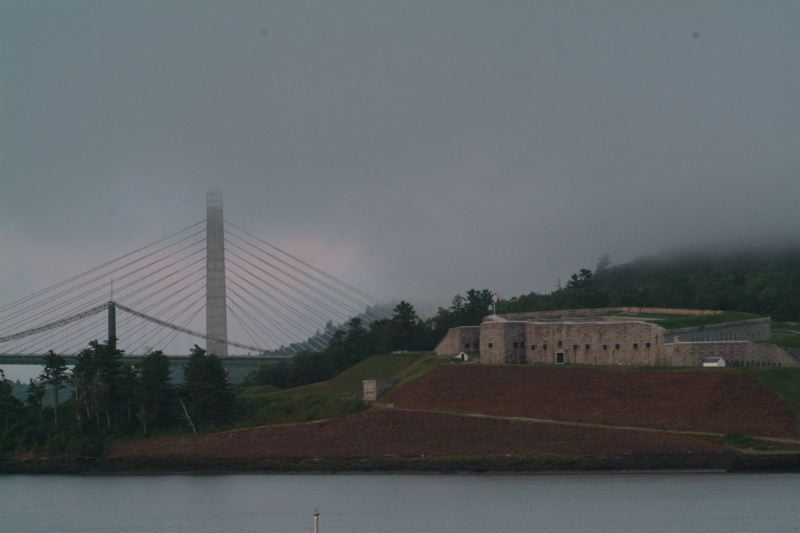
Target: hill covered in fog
765 282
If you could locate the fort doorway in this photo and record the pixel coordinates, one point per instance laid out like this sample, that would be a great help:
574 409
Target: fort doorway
560 358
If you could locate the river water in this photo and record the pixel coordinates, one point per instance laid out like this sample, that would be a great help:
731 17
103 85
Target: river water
615 503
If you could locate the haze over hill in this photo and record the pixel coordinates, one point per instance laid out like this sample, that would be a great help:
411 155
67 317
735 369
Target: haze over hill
416 149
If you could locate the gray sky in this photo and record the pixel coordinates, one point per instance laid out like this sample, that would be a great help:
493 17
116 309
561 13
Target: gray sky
416 149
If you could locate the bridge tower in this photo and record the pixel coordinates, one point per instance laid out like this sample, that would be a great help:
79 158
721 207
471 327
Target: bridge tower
216 308
112 326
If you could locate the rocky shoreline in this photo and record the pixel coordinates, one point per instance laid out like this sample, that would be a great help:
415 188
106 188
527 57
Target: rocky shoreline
467 464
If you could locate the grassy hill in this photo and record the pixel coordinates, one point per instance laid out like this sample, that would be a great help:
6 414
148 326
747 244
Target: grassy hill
337 397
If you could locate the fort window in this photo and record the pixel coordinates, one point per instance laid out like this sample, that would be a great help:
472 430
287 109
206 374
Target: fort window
574 346
544 347
533 346
491 345
647 345
560 344
635 345
516 345
605 346
560 359
466 346
587 346
616 346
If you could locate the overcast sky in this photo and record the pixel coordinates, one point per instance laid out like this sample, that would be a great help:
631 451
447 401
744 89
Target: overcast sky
416 149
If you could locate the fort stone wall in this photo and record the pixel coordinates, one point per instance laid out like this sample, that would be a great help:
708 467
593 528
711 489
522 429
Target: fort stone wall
549 338
502 342
735 353
600 311
755 329
595 343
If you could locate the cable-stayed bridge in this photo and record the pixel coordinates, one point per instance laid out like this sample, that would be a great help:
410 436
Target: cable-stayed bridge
259 300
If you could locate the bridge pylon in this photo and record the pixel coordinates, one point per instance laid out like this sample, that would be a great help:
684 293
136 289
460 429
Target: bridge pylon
216 303
112 326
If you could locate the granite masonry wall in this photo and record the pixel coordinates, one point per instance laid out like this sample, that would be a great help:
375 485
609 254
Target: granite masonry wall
735 353
599 311
756 329
502 342
595 343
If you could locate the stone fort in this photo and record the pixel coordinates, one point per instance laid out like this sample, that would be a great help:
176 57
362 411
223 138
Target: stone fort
602 337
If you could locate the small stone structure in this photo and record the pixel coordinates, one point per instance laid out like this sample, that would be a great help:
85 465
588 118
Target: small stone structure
586 336
375 388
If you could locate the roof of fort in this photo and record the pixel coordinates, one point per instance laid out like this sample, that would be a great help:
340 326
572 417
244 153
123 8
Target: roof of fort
667 318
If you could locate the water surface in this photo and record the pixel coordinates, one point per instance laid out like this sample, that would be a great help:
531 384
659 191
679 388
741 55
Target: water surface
403 503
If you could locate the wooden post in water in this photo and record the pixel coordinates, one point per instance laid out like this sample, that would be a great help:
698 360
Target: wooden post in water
316 521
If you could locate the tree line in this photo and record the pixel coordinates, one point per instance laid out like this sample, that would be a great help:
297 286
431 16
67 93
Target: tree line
109 398
404 331
765 282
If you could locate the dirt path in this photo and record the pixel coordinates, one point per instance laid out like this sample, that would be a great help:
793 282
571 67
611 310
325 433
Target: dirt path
568 423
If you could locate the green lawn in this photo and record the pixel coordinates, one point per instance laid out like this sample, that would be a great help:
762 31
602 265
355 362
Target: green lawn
680 321
791 341
786 382
348 383
786 326
338 397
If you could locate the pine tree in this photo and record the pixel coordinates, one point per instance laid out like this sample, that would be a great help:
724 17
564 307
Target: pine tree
55 375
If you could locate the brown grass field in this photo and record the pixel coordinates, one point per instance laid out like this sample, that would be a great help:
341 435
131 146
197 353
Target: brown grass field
683 400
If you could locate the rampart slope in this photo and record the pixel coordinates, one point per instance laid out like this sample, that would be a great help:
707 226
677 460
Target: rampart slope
716 402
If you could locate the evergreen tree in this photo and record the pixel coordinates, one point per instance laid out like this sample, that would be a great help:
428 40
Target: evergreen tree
8 403
35 396
55 375
208 392
154 390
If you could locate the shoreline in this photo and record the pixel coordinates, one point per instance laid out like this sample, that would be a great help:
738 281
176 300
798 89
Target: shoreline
541 464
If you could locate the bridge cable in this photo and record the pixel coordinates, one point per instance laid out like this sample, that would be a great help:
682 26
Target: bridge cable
280 341
282 292
368 307
308 265
190 331
85 294
142 344
103 277
300 314
78 276
255 324
185 322
253 338
265 315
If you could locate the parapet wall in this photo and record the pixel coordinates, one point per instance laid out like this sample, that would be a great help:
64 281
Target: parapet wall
599 311
735 353
755 329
